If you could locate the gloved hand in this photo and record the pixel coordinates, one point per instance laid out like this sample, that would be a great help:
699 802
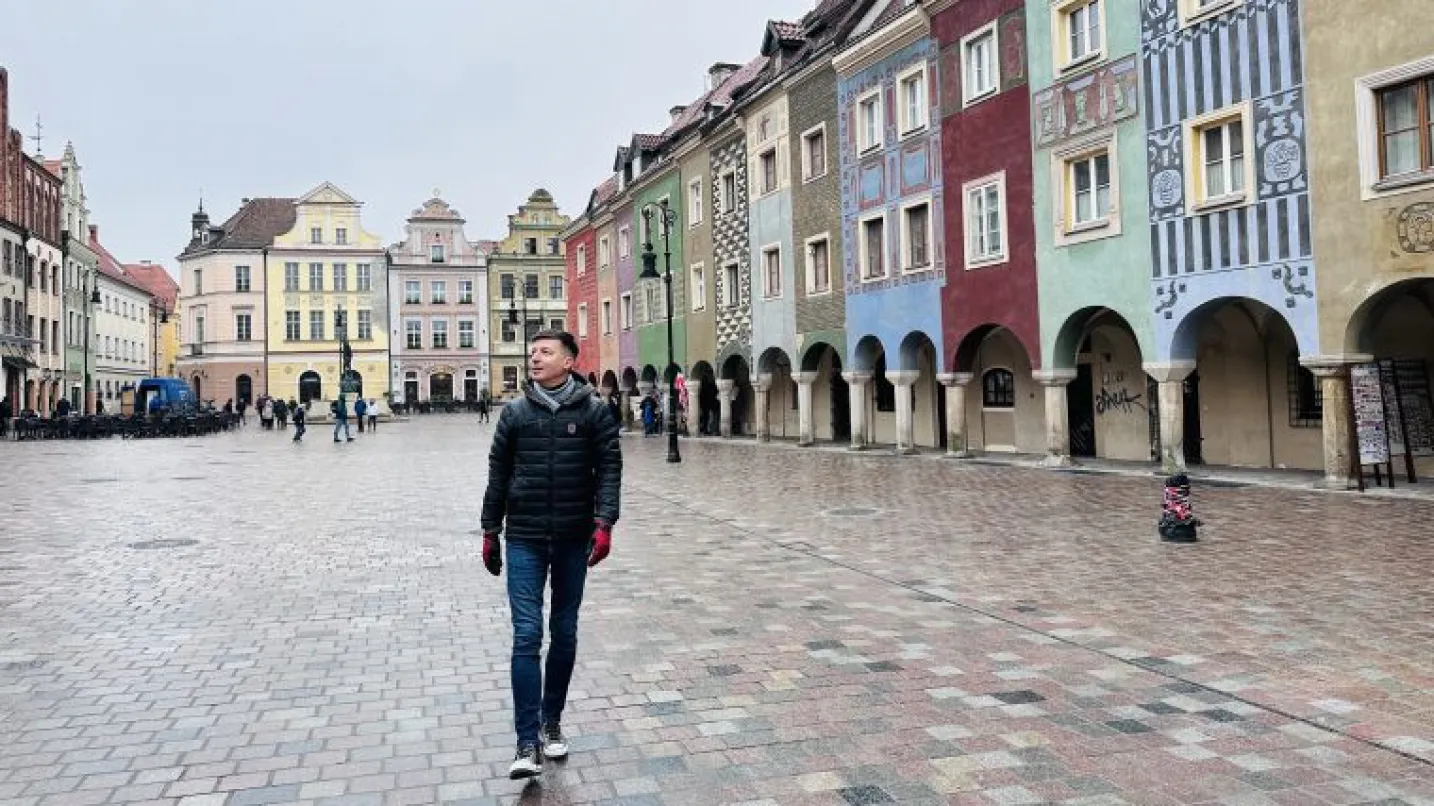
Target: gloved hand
602 544
492 553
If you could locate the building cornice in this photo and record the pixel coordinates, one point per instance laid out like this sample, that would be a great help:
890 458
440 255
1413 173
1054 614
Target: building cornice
895 35
934 7
819 61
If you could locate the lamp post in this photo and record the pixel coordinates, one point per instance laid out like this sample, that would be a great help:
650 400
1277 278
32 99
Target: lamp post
155 322
513 319
668 217
27 244
346 352
89 299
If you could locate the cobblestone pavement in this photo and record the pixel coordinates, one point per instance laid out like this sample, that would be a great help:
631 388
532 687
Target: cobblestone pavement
774 627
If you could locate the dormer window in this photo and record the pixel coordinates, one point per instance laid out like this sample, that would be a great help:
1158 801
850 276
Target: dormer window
435 253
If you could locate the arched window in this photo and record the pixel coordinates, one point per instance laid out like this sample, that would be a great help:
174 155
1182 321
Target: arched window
998 389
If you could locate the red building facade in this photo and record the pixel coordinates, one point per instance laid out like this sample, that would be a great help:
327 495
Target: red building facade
583 297
990 317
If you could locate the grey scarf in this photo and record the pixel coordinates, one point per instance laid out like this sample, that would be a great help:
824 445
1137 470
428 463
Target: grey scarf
555 398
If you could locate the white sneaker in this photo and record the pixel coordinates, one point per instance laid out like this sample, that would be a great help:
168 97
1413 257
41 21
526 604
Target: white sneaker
555 745
528 763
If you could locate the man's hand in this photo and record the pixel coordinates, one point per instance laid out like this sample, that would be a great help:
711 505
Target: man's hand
602 544
492 553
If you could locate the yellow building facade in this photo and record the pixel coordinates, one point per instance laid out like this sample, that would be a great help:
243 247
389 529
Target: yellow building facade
527 277
325 274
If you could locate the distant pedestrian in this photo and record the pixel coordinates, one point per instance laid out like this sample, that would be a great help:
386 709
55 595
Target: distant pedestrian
484 403
299 426
563 444
281 413
243 411
373 414
340 409
266 415
360 410
6 412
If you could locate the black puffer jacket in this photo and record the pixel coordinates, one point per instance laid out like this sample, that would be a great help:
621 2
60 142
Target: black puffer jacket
552 474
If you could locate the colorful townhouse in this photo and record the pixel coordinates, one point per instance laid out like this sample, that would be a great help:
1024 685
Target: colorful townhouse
894 258
528 285
583 293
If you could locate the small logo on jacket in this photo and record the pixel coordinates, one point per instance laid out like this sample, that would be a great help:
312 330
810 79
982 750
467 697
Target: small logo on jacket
572 428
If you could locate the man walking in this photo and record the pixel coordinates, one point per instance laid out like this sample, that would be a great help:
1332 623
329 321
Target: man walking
341 418
299 427
562 442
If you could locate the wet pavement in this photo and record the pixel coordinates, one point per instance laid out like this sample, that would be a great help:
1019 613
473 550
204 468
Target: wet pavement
238 620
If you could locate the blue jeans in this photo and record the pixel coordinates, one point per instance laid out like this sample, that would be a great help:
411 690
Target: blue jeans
539 695
342 422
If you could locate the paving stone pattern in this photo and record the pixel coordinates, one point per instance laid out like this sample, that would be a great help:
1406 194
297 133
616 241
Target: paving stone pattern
964 634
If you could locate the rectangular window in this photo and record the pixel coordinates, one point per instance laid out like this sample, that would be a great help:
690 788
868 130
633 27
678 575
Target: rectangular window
413 334
435 253
530 286
582 321
604 252
732 285
582 260
292 325
911 94
768 170
341 277
652 304
510 378
465 334
241 279
510 331
873 248
814 153
985 221
316 235
699 287
1305 396
412 292
365 325
1089 194
555 246
291 277
243 327
869 133
438 292
1406 128
506 286
198 285
364 276
979 62
625 311
465 292
555 287
772 272
530 246
624 242
694 202
557 324
606 315
316 325
316 277
729 192
1079 32
440 333
819 273
916 234
341 236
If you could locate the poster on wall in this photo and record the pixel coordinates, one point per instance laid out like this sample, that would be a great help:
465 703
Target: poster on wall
1416 405
1368 398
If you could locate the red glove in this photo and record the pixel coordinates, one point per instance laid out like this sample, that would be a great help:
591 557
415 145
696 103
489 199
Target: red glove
492 553
602 544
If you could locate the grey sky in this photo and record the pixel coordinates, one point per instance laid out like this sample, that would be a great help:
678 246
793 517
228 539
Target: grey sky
389 99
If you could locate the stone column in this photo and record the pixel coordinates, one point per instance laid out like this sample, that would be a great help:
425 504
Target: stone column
694 407
956 432
725 389
1339 452
858 396
762 394
806 428
1058 438
904 380
1171 377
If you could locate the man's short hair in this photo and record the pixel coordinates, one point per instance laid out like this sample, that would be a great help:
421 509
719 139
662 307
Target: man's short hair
569 343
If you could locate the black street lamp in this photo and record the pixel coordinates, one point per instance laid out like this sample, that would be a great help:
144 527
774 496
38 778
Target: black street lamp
668 218
513 319
89 298
155 322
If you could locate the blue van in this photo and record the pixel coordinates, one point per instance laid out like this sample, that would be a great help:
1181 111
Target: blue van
165 395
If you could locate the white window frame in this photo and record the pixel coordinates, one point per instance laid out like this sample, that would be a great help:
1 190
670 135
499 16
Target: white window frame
436 328
437 253
604 252
732 284
906 206
625 313
239 334
809 251
409 330
605 316
465 292
973 260
1067 232
864 254
624 242
694 202
1195 199
768 292
729 200
1197 11
864 143
697 282
471 331
905 127
1372 183
1060 35
582 320
341 236
412 292
760 169
582 259
807 175
970 97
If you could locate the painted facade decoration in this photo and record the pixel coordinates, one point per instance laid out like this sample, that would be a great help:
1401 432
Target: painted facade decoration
731 255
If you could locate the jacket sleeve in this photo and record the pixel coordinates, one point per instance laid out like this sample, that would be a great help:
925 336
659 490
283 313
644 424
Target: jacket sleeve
500 471
608 470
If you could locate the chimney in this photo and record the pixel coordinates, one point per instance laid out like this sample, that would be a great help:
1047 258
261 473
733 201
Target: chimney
720 72
94 233
676 111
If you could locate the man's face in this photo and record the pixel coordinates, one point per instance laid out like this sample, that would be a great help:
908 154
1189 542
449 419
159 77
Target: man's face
548 362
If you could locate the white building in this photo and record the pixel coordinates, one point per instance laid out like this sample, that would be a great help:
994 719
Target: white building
121 352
